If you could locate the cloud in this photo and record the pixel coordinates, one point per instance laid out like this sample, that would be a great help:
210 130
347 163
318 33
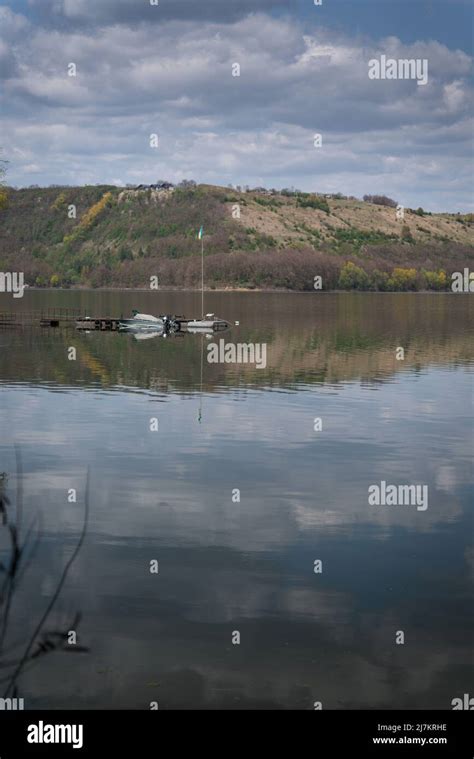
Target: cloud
142 11
11 24
175 79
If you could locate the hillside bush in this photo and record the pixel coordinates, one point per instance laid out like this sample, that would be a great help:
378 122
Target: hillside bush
313 201
353 277
380 200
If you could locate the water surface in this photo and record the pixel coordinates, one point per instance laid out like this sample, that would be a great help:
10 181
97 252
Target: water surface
248 566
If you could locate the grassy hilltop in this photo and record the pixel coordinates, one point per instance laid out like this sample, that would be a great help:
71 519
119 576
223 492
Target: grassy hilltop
120 237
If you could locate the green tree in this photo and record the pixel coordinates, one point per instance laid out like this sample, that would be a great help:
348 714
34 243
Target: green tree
379 280
436 280
352 277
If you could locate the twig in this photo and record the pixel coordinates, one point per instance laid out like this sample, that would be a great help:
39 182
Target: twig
50 606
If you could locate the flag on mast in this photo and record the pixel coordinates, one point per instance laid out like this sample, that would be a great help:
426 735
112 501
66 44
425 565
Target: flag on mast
201 232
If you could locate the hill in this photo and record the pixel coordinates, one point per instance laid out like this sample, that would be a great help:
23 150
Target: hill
104 236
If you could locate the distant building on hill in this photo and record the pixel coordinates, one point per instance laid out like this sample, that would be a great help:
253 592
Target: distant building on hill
157 186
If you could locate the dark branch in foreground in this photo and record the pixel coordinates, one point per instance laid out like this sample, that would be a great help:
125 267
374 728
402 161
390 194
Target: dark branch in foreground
41 642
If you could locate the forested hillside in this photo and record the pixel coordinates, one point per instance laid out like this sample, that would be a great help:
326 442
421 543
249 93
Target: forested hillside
104 236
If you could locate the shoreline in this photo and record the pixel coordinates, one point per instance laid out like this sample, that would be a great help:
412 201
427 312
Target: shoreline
234 290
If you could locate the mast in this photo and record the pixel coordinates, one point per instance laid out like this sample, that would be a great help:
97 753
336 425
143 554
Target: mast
202 275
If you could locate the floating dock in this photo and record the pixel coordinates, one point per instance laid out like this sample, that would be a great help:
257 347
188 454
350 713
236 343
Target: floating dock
101 324
51 317
56 318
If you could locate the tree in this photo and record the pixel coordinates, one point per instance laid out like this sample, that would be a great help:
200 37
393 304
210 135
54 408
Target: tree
403 279
352 277
380 200
436 280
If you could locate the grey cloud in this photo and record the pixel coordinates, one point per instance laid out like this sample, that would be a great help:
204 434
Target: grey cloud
88 12
176 79
316 82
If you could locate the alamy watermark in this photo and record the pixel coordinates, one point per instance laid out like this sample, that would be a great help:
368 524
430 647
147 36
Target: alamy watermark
12 704
462 281
399 495
12 282
45 733
237 353
466 702
399 68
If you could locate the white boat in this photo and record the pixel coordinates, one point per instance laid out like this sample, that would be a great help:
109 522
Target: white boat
209 323
143 323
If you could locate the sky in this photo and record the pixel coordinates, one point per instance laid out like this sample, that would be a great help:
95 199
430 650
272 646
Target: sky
168 70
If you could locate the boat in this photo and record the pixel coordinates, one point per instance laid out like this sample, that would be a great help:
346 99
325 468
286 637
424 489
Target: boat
143 323
209 323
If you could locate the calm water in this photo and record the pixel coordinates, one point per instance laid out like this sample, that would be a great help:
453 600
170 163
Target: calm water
247 566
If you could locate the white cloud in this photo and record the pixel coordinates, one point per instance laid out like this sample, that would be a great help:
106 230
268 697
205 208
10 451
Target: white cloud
175 79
